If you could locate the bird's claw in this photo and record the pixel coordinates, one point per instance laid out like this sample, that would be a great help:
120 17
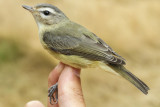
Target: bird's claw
53 94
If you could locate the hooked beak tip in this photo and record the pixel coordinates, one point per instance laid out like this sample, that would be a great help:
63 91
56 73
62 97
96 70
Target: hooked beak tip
28 7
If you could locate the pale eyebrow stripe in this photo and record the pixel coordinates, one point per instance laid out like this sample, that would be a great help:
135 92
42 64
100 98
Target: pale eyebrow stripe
49 9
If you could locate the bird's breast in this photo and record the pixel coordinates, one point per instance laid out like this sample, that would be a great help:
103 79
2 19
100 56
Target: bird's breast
73 60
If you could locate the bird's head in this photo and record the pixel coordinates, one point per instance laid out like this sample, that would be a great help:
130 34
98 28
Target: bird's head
46 14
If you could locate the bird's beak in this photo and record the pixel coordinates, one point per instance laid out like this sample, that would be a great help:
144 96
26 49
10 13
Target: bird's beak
29 8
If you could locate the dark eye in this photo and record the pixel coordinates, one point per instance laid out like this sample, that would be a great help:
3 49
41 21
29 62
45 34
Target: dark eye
46 12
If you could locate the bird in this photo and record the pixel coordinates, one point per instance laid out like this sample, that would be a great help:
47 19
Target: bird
75 45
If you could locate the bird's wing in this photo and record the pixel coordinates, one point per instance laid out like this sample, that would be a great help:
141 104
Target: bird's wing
107 49
82 46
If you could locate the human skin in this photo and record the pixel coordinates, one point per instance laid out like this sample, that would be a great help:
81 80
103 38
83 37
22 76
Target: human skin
69 87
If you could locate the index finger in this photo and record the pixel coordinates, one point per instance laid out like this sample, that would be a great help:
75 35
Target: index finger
53 78
54 74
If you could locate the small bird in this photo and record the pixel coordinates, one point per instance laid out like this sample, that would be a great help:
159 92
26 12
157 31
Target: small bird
76 46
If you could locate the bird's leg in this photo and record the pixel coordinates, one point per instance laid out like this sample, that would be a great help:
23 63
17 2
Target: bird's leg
53 94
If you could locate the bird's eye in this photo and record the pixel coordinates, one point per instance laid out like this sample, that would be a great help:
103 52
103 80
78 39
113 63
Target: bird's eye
46 12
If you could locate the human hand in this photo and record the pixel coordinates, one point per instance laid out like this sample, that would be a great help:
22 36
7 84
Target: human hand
69 87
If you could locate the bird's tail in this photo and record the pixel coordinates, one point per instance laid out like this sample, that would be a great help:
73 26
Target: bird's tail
121 70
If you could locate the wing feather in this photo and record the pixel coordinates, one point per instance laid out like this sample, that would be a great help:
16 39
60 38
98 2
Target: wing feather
86 48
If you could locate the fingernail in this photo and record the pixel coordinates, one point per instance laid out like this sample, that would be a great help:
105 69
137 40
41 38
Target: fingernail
60 65
77 72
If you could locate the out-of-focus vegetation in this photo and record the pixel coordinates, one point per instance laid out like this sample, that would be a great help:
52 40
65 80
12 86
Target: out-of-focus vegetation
130 27
9 51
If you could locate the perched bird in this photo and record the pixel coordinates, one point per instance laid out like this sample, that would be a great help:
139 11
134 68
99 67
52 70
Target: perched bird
76 46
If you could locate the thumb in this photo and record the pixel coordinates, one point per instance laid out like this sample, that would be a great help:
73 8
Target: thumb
69 88
34 104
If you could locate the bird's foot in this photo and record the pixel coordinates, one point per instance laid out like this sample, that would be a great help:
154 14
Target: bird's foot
53 94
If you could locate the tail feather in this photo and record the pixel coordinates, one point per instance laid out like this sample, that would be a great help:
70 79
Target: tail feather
130 77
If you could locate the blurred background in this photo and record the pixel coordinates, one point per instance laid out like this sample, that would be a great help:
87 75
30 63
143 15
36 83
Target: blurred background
130 27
